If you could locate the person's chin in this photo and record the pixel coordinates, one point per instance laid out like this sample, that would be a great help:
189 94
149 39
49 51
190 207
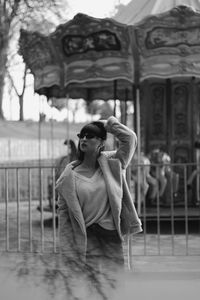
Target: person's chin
83 148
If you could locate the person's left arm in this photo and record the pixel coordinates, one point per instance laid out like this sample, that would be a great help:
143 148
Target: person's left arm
127 140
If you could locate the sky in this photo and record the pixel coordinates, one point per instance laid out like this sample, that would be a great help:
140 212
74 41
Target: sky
95 8
35 104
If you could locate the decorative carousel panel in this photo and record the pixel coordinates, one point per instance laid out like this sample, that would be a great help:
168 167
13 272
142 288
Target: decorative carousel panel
157 126
181 111
168 44
92 48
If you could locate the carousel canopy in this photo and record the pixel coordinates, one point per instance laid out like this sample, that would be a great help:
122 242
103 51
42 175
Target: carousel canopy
94 58
83 58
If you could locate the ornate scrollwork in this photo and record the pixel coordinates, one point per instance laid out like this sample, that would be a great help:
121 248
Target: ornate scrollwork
159 37
180 115
96 41
183 12
158 127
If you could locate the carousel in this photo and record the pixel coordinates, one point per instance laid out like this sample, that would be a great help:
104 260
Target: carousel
154 63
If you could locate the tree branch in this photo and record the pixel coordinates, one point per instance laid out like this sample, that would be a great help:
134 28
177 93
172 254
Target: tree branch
12 83
14 9
24 80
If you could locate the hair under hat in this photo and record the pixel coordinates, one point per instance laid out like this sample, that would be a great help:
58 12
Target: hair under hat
96 128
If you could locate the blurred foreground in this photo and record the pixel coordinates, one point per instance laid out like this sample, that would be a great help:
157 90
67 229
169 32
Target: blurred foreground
39 276
163 272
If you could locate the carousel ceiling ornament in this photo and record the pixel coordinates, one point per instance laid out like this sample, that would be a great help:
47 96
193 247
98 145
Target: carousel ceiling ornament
82 58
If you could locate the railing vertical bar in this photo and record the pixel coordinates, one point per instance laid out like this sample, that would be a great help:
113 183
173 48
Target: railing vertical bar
18 212
130 253
144 225
172 213
42 212
198 184
30 212
186 210
54 210
6 210
158 215
129 238
172 224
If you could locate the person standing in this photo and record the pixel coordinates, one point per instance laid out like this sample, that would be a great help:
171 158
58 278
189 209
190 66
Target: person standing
95 206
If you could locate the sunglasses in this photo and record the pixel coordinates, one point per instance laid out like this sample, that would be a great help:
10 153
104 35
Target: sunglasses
88 136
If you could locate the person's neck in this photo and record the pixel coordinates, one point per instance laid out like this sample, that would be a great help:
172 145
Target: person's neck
90 162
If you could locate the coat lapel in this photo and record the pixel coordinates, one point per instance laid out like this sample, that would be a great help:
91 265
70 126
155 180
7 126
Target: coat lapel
66 188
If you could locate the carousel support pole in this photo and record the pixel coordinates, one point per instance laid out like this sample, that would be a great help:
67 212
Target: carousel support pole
196 135
136 120
41 181
52 138
114 109
126 107
138 130
115 97
136 97
68 125
128 177
125 121
136 91
51 156
39 149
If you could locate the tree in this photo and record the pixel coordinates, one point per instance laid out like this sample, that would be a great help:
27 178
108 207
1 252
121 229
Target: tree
93 106
106 110
26 13
20 95
100 107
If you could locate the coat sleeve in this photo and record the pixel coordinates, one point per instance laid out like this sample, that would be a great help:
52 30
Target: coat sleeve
127 140
65 231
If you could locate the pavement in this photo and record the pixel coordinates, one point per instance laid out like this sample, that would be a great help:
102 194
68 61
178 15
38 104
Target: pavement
37 276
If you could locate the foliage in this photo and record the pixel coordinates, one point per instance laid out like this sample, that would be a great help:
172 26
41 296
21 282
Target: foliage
100 107
28 14
106 110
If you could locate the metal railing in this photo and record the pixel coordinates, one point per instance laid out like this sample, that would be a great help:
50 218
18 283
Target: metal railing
29 222
24 195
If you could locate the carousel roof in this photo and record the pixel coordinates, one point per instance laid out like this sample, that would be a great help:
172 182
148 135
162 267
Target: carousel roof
94 58
166 45
137 10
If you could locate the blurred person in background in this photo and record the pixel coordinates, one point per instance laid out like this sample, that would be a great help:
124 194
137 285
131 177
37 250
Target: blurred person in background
148 184
70 156
60 163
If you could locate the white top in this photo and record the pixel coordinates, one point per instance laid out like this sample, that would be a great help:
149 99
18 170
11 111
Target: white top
93 200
